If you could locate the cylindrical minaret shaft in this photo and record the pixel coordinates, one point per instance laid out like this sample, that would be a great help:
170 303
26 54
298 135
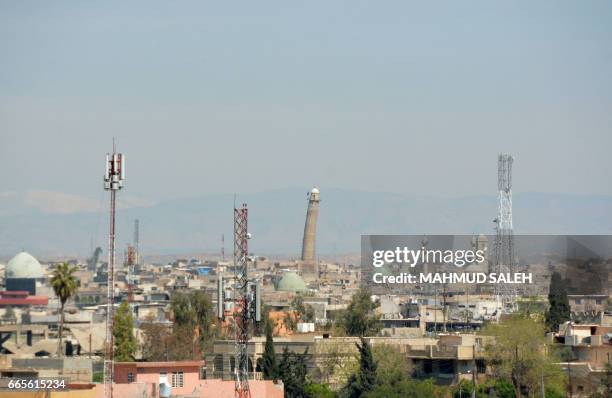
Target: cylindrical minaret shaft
310 230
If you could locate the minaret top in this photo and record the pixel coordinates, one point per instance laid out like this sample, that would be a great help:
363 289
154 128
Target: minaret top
314 194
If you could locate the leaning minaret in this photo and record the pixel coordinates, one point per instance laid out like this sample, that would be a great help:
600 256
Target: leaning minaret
310 233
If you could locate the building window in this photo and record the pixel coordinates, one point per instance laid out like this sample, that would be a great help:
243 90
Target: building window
446 366
578 301
130 377
203 373
177 379
481 366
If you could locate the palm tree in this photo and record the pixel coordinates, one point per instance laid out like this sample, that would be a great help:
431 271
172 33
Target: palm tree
65 286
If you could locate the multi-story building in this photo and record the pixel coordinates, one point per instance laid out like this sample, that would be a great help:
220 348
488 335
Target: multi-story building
591 346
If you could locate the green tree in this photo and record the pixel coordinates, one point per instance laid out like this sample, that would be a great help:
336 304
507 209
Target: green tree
559 310
392 366
64 286
314 390
364 380
193 310
290 320
183 344
9 315
161 343
305 311
608 305
204 315
156 340
360 318
503 389
463 389
519 353
98 377
292 371
123 333
499 388
407 389
268 360
605 389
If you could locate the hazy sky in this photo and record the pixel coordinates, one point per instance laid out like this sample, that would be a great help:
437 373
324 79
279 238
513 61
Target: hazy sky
381 96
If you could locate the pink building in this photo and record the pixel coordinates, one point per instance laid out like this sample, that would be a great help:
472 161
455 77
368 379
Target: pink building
186 379
182 376
21 298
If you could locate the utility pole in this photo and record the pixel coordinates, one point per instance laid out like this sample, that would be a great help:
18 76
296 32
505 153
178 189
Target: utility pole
569 377
444 308
467 308
435 310
113 182
474 371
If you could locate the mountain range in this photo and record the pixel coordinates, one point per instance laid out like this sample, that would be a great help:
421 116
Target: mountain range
49 224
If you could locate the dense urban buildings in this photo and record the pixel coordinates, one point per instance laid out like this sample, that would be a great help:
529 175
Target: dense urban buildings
171 341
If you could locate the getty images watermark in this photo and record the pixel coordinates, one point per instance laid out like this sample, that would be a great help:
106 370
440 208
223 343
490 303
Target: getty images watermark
528 262
458 258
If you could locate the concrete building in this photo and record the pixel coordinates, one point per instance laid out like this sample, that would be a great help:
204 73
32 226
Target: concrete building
587 303
188 378
182 376
331 360
221 359
591 346
71 368
204 389
449 360
21 299
25 340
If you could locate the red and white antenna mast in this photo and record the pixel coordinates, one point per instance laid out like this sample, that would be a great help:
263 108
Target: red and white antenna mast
113 181
242 312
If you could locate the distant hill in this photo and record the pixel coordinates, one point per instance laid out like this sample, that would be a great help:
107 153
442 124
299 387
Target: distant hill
277 220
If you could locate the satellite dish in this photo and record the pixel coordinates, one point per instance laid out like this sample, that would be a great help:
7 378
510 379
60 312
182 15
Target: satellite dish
165 391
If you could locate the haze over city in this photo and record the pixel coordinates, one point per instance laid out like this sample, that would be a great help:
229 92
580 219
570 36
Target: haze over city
207 98
339 199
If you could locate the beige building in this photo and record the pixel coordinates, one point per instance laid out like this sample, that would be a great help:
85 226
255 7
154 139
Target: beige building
331 360
591 346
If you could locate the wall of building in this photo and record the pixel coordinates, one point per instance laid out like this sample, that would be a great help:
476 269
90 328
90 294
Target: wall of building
191 375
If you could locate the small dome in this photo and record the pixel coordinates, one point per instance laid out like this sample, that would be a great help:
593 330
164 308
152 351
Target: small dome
315 190
24 265
291 282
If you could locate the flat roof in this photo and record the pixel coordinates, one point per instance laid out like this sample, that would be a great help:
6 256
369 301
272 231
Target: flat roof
162 364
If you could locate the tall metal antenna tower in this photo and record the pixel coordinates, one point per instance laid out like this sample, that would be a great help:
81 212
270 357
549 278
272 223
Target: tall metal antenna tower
222 247
241 318
113 181
137 240
504 240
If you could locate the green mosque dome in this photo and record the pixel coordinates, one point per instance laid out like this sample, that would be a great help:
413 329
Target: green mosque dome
291 282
